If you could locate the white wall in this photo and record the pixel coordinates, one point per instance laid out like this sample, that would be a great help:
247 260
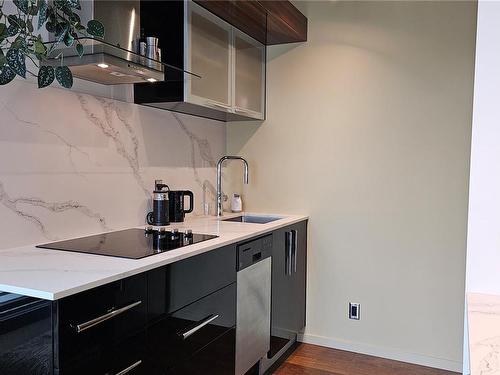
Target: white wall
368 131
483 240
483 254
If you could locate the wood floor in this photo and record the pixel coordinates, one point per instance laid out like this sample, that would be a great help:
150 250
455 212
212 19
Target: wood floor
316 360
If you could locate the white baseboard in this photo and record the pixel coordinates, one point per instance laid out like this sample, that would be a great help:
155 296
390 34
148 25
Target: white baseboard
389 353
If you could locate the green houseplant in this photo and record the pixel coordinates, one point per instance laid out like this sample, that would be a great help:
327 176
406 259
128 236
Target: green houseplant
20 39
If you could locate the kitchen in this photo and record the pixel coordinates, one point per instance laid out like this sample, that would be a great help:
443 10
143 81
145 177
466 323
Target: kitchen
354 120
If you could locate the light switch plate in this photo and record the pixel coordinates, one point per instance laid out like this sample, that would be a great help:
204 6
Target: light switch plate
354 310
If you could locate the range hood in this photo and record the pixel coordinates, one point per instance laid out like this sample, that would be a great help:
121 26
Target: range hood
107 64
112 61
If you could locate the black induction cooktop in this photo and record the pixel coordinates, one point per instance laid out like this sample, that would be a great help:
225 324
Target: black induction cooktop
130 243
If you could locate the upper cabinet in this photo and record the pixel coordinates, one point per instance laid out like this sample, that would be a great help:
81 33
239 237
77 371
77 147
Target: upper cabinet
268 21
249 76
208 42
224 44
230 65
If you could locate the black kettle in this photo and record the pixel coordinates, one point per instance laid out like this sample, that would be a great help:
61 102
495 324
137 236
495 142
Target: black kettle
160 214
176 204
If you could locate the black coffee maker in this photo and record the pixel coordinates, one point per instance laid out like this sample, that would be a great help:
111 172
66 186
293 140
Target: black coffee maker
160 214
176 204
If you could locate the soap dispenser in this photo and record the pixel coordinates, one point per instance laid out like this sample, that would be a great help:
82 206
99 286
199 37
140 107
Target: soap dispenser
236 204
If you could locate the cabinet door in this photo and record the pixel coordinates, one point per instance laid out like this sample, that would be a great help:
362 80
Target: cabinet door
217 358
299 231
94 321
249 76
25 335
179 336
288 285
208 54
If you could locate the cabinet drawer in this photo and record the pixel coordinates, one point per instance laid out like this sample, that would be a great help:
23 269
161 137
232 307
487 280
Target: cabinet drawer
217 358
128 357
99 318
179 284
191 328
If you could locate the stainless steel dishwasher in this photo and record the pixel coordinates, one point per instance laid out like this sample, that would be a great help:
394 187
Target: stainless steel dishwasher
253 307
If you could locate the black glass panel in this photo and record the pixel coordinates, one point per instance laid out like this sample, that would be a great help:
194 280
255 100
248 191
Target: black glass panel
129 243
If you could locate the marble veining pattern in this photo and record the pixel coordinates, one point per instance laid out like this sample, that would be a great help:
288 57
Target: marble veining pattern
70 147
74 164
15 205
205 154
484 333
106 125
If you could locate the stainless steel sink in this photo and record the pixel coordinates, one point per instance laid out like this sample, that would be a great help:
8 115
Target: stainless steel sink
254 219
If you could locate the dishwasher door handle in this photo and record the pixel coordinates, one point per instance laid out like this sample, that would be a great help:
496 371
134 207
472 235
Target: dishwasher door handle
294 235
288 253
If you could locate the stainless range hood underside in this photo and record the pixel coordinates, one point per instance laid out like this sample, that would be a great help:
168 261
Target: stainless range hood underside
110 70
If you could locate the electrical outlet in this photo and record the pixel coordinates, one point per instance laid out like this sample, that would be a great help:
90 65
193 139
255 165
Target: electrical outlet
354 310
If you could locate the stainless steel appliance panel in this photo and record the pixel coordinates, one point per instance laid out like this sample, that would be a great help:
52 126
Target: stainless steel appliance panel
253 314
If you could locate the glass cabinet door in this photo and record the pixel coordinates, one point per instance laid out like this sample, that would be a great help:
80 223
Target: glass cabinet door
249 75
208 44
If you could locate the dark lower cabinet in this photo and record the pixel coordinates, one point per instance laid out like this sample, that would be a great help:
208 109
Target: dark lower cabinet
215 359
288 291
181 283
89 324
148 323
25 335
177 337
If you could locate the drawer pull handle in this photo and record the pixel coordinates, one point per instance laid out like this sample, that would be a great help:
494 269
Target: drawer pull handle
130 368
202 324
101 319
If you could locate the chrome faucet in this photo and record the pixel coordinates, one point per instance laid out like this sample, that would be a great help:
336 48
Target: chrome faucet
219 179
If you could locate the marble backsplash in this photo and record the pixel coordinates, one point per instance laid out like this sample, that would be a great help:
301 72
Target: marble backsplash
74 164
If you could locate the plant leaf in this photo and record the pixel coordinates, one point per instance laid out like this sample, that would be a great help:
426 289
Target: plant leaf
79 49
42 12
16 21
50 27
17 62
95 28
64 76
61 30
29 26
3 59
6 75
22 5
12 30
46 76
19 43
40 48
68 39
75 4
3 30
33 10
72 4
79 27
74 18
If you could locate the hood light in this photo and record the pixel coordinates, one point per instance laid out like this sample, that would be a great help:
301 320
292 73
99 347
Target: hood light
151 80
102 65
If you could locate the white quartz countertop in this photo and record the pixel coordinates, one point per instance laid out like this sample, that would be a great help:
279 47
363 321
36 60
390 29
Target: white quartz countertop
483 312
54 274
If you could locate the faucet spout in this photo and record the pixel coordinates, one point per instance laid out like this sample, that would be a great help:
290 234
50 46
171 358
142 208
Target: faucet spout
219 178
